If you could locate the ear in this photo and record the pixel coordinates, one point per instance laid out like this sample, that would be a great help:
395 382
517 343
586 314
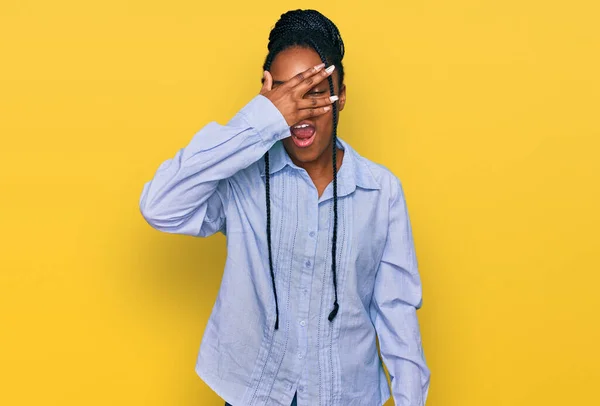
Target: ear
342 100
267 82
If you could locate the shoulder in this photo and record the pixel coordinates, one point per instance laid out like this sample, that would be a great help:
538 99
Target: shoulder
386 180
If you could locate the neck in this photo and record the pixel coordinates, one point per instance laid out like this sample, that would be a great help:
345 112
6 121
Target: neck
320 170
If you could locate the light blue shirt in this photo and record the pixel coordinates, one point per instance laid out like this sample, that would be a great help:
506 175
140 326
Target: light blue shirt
216 184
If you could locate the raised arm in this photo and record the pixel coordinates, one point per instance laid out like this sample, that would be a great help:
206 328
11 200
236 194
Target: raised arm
188 192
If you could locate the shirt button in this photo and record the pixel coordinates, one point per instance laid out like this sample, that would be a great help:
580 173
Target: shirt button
303 323
299 355
312 234
307 264
301 388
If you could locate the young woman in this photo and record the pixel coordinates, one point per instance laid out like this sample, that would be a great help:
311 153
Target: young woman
320 256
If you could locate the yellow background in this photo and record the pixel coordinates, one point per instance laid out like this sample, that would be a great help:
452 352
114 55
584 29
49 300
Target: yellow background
487 110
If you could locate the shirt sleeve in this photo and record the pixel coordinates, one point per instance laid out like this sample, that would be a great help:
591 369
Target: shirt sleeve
189 191
397 296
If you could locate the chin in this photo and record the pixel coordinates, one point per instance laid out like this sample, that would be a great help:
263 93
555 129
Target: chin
304 155
301 154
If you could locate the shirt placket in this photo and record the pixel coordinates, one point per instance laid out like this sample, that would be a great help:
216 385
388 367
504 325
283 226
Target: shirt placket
311 227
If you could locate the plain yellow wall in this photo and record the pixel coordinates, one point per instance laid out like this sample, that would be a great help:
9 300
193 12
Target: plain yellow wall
487 110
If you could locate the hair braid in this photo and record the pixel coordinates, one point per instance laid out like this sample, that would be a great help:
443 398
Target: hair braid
335 211
269 238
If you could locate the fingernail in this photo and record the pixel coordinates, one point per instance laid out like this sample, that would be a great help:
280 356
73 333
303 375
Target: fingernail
319 67
326 108
334 98
330 69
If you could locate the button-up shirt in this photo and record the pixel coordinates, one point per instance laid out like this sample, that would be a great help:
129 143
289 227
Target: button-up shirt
217 184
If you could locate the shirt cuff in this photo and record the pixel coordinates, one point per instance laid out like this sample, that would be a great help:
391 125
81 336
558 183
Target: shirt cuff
262 115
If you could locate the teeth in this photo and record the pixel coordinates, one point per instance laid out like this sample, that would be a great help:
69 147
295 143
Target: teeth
301 126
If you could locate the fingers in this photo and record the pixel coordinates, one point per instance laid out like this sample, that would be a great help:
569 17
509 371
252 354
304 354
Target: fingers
315 102
310 81
302 76
310 113
267 82
289 97
314 107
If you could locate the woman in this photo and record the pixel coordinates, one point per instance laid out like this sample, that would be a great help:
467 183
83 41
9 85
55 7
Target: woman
291 326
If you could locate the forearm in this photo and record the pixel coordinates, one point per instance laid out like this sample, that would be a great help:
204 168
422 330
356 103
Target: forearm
402 353
176 198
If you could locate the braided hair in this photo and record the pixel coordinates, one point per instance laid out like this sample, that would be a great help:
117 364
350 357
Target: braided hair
311 29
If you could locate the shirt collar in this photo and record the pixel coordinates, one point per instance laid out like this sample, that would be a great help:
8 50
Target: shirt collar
278 159
352 174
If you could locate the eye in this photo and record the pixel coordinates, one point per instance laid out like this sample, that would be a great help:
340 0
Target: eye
316 93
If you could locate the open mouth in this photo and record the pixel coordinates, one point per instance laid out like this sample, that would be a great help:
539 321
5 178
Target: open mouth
303 134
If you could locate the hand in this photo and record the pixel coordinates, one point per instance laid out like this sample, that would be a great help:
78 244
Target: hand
289 96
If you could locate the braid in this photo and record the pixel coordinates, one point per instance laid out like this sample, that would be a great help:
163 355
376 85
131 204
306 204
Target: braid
334 109
308 28
269 238
268 198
